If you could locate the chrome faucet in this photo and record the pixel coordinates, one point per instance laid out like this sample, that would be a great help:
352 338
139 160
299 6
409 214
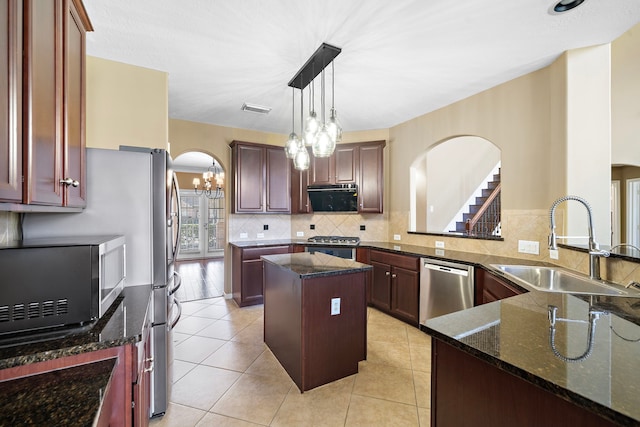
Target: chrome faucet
594 249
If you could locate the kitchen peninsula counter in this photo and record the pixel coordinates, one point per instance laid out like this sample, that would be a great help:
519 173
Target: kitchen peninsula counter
315 315
69 394
511 345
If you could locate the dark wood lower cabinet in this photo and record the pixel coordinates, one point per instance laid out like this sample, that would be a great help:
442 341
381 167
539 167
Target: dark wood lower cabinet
489 288
395 284
467 391
246 272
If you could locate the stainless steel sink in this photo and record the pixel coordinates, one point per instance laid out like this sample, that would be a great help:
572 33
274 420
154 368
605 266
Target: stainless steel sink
554 279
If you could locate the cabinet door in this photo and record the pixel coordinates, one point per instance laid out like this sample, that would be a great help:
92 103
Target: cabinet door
346 158
371 182
299 194
249 178
11 101
381 285
404 293
252 286
42 121
493 288
142 387
278 188
74 99
322 170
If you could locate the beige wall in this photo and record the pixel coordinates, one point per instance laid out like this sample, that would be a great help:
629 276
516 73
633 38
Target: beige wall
126 105
625 98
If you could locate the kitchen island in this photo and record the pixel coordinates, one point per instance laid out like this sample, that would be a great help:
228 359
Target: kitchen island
315 316
538 359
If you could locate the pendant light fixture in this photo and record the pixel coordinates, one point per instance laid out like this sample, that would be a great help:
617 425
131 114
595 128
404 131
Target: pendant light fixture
301 160
323 145
321 136
292 144
333 126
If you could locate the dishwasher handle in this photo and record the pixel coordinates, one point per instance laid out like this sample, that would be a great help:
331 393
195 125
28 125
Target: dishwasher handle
445 269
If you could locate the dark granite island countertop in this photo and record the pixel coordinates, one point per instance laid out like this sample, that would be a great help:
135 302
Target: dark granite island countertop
518 335
315 315
71 395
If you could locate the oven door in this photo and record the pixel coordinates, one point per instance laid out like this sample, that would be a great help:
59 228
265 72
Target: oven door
341 252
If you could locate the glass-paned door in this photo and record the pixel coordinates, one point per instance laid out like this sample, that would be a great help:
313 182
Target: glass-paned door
202 226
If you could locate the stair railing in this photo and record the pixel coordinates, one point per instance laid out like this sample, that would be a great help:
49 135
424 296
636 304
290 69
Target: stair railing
487 218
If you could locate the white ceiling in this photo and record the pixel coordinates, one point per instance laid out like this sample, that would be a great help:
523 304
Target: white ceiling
400 59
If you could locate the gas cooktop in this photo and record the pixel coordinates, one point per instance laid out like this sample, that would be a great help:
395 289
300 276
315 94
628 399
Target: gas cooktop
335 240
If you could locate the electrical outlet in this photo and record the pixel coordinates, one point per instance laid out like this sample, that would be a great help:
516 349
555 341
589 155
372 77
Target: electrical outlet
265 227
260 235
439 244
553 253
529 247
335 306
363 227
397 248
299 233
244 235
396 237
440 252
312 226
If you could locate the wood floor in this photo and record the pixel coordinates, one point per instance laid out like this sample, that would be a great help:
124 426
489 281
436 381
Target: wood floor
201 279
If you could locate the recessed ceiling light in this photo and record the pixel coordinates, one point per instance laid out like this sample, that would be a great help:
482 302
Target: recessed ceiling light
255 108
566 5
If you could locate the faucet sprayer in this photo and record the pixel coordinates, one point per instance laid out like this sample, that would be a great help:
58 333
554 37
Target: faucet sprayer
594 248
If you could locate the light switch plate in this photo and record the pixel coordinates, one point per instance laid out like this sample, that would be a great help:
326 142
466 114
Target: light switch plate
396 237
529 247
299 233
335 306
260 235
397 248
244 235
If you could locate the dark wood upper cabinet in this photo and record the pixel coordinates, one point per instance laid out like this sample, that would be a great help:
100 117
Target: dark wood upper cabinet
371 177
45 112
299 194
356 163
261 179
11 101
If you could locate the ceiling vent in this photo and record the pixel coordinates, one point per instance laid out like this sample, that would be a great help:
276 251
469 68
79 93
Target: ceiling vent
255 108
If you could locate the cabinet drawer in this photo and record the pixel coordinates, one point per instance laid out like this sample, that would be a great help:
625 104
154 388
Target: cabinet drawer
256 253
403 261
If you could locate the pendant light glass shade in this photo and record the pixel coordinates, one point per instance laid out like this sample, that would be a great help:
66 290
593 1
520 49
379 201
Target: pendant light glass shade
291 146
312 124
302 160
323 146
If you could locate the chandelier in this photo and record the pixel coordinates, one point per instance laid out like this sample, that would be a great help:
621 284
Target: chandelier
213 182
321 135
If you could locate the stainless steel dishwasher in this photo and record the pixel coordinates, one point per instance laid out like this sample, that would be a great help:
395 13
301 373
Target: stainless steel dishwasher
445 287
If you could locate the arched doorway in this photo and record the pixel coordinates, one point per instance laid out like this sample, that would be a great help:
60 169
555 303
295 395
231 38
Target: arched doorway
202 225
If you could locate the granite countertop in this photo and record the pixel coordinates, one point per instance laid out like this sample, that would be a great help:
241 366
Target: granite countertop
75 393
514 335
315 265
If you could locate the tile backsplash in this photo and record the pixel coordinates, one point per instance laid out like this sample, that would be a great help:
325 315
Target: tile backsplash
288 226
9 229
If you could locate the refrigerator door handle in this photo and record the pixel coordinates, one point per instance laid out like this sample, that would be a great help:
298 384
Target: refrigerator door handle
175 322
178 282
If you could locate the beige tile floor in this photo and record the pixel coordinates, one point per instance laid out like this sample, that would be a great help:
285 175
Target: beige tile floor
224 375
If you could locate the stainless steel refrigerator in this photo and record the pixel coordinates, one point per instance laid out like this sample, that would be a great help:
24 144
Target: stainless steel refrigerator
133 192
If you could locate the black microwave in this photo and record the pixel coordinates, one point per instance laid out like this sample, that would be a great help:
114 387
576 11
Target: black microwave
58 282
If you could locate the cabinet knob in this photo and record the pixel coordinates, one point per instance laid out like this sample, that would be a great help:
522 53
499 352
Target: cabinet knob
69 182
393 276
386 273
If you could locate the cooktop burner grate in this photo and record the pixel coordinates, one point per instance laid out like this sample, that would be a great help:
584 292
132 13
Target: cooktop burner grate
335 240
